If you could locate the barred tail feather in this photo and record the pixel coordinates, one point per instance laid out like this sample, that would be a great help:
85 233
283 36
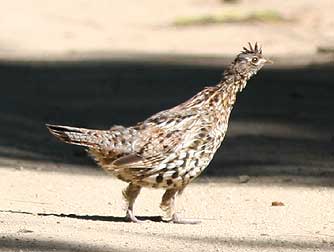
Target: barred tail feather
73 135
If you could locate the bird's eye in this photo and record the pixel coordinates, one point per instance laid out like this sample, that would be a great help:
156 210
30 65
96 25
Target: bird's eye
255 59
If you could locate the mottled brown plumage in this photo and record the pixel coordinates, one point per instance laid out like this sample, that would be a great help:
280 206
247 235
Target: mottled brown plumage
171 148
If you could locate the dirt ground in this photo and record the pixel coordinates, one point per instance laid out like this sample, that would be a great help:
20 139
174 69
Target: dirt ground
69 211
80 28
52 198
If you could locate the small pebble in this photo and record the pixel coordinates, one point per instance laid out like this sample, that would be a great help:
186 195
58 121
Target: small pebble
25 231
244 178
277 203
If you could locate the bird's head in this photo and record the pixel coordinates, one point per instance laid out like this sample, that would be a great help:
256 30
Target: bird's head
249 61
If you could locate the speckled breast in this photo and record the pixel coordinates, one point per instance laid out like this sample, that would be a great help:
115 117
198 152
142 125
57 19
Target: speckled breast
180 168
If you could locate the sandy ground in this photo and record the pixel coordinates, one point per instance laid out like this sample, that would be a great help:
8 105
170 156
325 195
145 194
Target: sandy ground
68 211
51 29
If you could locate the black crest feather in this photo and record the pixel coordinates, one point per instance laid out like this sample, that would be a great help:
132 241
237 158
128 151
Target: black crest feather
252 49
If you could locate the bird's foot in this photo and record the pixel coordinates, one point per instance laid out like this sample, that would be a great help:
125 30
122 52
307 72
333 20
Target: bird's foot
178 220
130 217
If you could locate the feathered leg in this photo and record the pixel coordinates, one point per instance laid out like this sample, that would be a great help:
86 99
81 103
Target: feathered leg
130 194
168 206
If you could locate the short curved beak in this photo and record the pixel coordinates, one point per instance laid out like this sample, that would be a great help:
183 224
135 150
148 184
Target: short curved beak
268 61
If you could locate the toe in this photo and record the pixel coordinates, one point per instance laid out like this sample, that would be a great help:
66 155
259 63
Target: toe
177 220
130 217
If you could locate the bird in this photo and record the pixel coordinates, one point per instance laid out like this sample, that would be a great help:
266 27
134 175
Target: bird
171 148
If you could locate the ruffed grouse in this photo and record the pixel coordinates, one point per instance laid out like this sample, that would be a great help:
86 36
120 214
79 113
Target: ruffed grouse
171 148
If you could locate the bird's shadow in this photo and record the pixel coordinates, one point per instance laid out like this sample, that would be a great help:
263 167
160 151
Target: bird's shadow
88 217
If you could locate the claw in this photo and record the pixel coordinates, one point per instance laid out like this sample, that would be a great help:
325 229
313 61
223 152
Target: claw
132 218
177 220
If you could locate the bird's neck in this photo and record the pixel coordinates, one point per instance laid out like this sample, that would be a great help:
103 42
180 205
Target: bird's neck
222 96
233 81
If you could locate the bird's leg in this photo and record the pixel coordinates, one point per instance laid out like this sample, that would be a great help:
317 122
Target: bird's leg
168 206
130 194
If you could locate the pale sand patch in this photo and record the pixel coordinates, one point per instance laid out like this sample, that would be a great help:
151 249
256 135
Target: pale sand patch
39 28
235 217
